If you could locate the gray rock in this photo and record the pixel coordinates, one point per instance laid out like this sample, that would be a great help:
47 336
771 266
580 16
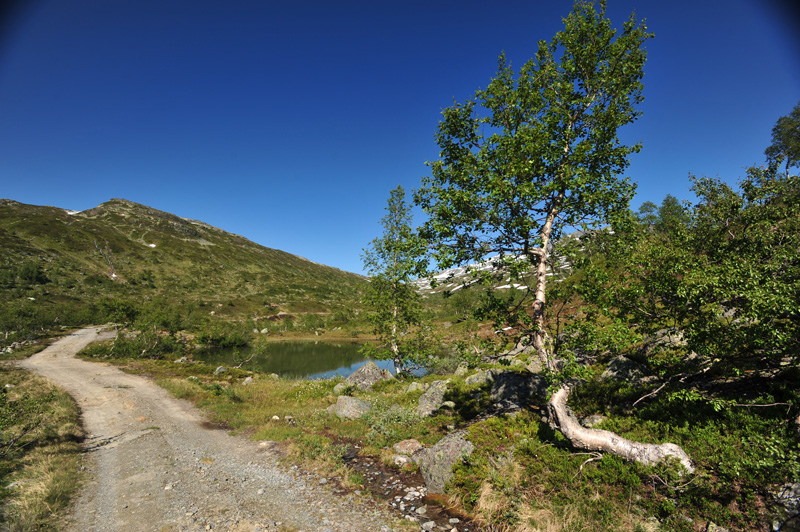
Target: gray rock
664 339
220 369
341 388
787 500
623 369
712 527
428 526
461 370
591 422
436 463
535 365
401 460
432 399
367 375
247 380
416 387
480 378
349 407
515 391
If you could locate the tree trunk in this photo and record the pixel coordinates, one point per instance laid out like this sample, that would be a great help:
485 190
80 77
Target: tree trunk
562 419
540 336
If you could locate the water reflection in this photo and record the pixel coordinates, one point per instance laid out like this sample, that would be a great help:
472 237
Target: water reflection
296 360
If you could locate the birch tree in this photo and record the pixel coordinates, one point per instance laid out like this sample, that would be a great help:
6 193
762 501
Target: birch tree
393 260
533 154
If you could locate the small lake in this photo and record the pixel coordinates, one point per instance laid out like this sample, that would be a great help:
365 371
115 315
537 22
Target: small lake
296 359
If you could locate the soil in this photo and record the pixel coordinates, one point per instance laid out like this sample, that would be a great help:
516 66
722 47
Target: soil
155 464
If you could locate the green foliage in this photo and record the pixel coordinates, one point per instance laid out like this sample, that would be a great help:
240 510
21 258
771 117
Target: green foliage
785 144
225 334
39 452
146 344
32 273
391 423
393 306
534 153
18 419
49 255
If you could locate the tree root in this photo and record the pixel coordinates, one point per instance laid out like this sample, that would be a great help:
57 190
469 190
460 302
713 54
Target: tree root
562 419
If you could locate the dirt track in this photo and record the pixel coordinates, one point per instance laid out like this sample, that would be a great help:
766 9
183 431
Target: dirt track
153 465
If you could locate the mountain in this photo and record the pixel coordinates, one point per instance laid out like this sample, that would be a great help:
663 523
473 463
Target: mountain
121 249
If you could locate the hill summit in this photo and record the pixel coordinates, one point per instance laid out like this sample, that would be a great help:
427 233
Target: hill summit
125 249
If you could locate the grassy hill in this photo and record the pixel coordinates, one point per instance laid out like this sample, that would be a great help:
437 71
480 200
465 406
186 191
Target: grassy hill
124 250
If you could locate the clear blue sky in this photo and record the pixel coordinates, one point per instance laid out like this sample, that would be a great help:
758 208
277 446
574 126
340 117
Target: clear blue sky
289 122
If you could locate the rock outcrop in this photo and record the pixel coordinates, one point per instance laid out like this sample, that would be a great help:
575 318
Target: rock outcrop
436 463
365 377
349 407
432 399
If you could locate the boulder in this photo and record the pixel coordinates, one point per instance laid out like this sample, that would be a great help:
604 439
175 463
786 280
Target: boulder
220 369
401 460
407 447
417 387
515 391
436 463
349 407
480 378
432 399
341 388
787 499
623 369
593 421
671 338
367 375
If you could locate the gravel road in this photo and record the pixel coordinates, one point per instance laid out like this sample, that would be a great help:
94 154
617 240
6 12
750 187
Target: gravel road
155 466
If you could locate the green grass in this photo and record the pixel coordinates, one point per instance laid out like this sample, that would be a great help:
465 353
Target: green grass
523 476
43 465
55 270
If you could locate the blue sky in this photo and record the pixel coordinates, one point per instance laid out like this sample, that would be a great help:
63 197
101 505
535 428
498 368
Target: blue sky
290 122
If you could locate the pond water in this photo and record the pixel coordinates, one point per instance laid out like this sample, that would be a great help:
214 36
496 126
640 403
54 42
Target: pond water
296 359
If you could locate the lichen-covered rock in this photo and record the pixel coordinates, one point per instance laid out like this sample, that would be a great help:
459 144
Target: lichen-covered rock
593 421
623 369
664 339
367 375
436 463
341 388
432 399
461 370
515 391
349 407
416 387
482 377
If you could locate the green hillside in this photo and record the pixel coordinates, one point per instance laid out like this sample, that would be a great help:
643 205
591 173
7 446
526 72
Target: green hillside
122 250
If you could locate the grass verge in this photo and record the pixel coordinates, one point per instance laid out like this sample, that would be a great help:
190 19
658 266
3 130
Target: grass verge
523 476
40 433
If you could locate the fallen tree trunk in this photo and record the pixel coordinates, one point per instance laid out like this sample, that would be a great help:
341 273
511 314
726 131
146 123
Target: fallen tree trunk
562 419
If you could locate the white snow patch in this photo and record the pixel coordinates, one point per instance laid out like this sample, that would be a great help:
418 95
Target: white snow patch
514 285
71 213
